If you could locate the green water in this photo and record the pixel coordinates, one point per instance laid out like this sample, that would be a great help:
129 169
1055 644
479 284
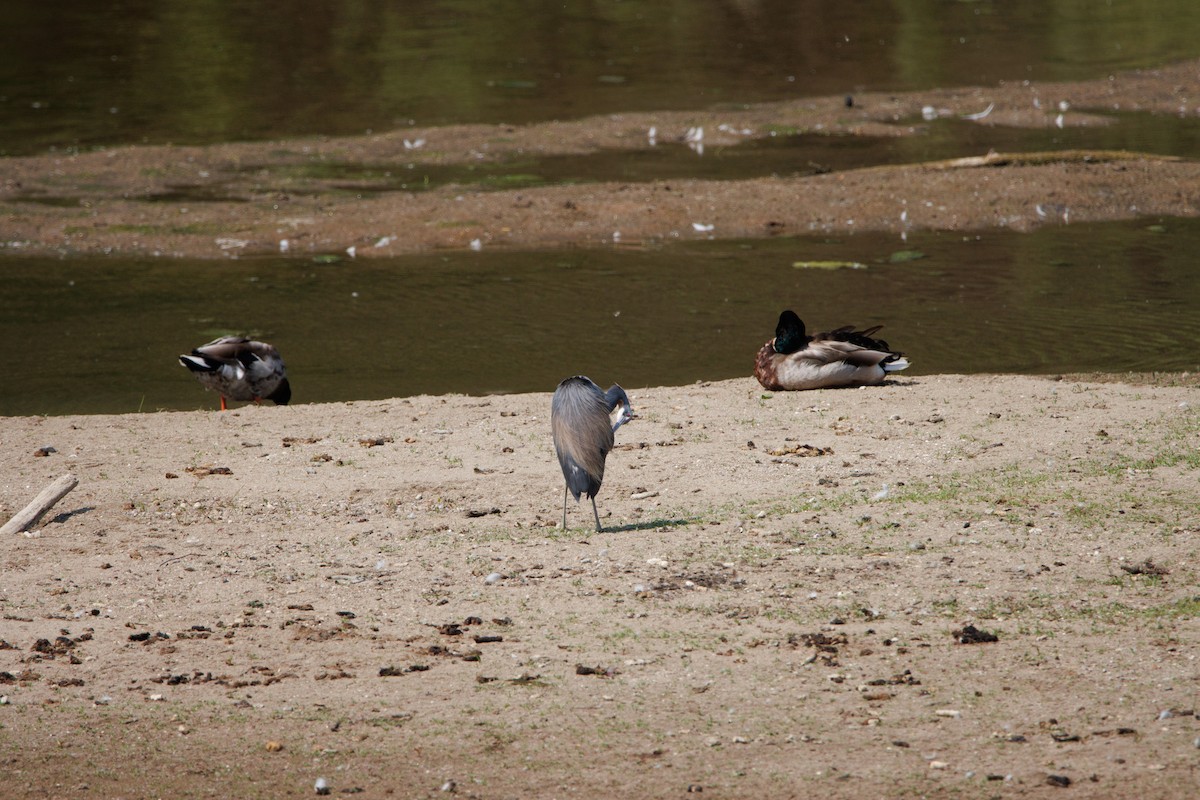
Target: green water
81 74
103 335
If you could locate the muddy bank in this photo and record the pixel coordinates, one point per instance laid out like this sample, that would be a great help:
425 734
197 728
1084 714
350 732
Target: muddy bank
243 199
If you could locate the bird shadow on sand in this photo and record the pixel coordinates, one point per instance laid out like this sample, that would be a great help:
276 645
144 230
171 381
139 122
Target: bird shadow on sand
66 515
649 525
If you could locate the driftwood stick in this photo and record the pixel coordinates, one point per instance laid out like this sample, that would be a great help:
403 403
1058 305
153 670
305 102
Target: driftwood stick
27 517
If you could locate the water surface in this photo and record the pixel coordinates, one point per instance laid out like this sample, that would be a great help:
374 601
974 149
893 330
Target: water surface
81 74
103 334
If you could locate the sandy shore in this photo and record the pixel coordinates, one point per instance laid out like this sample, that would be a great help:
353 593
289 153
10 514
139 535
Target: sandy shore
377 594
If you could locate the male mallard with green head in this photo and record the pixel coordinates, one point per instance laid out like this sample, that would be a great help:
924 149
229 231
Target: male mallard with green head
238 368
794 360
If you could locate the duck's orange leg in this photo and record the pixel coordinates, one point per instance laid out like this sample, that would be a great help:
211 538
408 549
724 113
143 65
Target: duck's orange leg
223 406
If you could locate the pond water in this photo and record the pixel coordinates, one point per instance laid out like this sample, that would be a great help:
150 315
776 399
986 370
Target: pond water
102 335
77 73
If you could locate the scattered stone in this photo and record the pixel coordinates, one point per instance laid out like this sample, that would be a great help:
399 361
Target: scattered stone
971 635
374 441
801 450
603 672
321 786
396 672
1147 567
471 514
1061 781
273 746
900 679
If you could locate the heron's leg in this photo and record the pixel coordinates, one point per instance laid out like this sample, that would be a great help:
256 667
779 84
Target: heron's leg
564 525
597 513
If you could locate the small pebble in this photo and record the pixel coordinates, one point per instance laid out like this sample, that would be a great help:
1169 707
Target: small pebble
492 578
938 765
948 712
321 786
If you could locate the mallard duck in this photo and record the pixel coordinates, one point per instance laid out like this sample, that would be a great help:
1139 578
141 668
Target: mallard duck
580 419
240 369
842 357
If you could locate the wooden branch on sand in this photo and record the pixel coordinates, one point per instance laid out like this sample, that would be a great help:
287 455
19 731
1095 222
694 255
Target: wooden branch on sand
27 517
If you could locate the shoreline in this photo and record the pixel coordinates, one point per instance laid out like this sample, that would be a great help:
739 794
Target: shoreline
269 595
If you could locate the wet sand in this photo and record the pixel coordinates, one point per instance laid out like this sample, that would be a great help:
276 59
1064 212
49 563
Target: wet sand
243 199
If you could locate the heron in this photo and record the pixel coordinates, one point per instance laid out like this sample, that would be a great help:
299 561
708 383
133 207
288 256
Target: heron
240 369
581 420
842 357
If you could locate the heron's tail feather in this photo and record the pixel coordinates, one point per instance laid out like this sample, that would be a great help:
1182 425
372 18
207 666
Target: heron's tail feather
578 480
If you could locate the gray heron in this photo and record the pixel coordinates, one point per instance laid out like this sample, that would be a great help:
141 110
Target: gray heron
581 420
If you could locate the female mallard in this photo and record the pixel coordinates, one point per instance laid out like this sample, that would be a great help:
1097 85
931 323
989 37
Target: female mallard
240 369
842 357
